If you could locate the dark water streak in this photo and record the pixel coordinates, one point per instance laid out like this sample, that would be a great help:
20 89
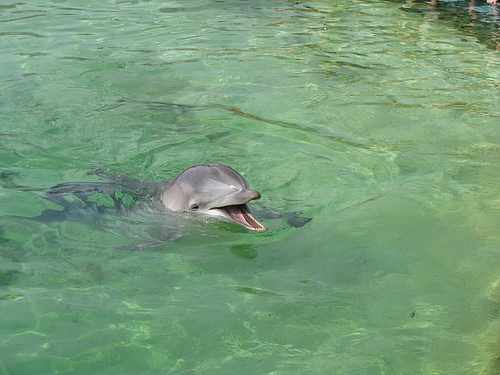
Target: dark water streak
238 112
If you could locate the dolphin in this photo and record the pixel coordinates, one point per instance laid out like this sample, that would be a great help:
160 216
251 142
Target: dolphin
215 190
207 189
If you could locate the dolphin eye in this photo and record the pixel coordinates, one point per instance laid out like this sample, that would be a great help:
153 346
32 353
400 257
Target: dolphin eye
194 207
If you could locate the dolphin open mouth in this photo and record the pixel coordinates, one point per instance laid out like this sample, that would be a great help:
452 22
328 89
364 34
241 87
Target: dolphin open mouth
241 215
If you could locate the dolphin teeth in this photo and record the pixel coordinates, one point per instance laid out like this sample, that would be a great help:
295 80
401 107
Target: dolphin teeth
241 214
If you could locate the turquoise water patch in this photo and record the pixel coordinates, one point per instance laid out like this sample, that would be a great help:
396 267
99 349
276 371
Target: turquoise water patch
379 124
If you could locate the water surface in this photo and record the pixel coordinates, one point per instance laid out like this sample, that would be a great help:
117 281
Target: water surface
379 123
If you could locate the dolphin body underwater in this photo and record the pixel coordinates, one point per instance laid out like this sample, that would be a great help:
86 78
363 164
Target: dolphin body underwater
215 190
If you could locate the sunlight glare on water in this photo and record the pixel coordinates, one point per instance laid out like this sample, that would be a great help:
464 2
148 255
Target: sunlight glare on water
380 125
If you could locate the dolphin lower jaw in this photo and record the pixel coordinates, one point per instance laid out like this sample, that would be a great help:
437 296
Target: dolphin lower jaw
239 214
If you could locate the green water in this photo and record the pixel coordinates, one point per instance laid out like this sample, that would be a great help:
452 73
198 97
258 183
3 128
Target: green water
381 125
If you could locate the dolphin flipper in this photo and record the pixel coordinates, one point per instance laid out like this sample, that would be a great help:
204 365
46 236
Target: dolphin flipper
294 218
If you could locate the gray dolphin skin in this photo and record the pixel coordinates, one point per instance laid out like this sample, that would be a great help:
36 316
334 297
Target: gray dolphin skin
212 189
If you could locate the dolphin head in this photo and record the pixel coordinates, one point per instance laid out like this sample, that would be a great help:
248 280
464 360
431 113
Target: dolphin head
212 189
